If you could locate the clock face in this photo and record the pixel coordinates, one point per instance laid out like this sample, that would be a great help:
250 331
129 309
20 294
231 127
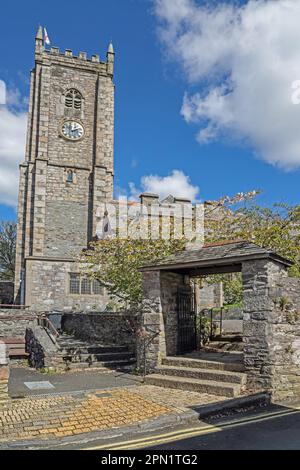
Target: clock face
72 130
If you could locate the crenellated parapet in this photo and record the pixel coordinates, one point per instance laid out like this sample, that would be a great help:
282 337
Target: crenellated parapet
53 54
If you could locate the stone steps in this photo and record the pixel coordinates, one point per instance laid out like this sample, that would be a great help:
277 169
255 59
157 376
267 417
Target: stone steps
226 347
203 364
103 357
200 375
229 338
204 374
108 365
75 353
82 347
196 385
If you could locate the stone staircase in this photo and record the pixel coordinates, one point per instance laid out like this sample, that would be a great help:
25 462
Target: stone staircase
79 354
198 375
227 342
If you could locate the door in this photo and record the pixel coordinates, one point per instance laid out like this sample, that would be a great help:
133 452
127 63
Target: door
187 335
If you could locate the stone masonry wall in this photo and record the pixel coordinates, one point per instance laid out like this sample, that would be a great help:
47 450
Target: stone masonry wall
210 296
13 322
159 319
170 282
47 288
285 341
4 373
105 328
152 324
260 318
41 349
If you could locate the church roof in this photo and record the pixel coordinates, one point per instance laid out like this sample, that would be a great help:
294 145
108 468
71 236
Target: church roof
218 254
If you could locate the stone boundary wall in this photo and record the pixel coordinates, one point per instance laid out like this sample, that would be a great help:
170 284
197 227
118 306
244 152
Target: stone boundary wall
285 341
105 328
13 322
6 292
4 373
41 349
210 295
290 288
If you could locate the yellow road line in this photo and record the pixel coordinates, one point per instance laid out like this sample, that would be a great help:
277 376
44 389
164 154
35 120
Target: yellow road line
192 432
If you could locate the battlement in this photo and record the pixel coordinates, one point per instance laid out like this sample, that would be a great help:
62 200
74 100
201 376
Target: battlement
54 53
82 56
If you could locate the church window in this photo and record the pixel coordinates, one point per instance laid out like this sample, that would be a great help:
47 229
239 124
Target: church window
70 176
73 99
74 283
82 285
86 286
97 287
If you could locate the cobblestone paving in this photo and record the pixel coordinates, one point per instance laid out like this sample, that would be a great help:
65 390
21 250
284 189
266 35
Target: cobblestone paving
59 416
66 415
178 399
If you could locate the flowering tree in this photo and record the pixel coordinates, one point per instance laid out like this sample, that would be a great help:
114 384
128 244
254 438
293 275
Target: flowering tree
116 263
276 228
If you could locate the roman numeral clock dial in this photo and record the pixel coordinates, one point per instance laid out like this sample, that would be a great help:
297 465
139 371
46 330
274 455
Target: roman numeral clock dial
72 130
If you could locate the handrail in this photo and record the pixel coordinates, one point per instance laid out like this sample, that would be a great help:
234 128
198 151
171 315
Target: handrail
46 323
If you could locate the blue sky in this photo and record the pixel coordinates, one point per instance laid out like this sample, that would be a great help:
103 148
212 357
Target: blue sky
152 137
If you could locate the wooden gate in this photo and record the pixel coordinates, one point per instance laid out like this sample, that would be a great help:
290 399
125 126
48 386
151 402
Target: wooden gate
187 334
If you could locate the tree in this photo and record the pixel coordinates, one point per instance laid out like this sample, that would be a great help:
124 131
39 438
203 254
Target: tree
276 228
115 263
8 232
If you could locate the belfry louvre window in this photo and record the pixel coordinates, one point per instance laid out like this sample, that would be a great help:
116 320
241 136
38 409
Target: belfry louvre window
73 99
82 285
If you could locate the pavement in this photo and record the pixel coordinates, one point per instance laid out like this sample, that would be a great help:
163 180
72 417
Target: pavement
45 409
68 415
67 382
78 409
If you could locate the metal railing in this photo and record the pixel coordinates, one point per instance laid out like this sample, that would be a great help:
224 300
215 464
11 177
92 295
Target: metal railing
209 313
45 323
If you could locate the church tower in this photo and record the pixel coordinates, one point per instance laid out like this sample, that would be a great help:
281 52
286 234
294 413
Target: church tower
67 172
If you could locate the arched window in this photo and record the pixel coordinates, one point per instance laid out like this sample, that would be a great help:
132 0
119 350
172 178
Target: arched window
70 176
73 99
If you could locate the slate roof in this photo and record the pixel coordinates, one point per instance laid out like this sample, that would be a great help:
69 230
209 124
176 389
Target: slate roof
218 254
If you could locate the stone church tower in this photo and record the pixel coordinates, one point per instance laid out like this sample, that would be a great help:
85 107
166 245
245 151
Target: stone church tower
68 170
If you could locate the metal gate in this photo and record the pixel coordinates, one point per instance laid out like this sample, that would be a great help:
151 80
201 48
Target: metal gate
187 334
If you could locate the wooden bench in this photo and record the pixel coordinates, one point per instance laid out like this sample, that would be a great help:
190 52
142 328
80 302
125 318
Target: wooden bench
16 348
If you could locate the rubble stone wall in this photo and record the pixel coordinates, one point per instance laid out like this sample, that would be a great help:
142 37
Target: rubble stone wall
105 328
4 373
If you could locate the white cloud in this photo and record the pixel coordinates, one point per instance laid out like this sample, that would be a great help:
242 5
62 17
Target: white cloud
2 92
177 184
244 59
12 150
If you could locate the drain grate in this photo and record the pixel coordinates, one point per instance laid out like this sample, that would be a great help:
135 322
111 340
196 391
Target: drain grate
103 395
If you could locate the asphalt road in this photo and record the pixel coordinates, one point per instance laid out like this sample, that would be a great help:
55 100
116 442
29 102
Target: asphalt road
281 432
